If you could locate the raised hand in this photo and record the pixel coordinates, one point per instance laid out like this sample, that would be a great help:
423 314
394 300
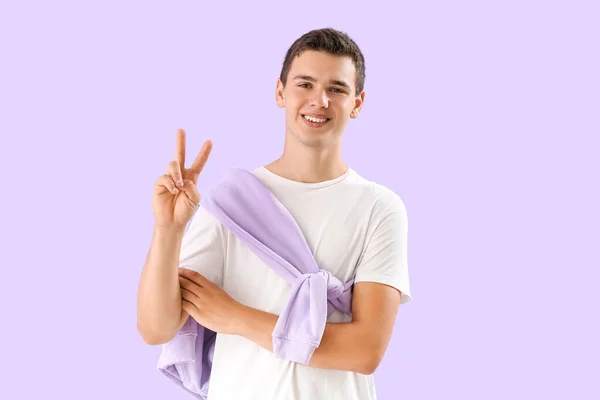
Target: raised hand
176 196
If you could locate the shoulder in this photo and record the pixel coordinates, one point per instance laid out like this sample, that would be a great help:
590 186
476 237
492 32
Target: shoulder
388 200
384 201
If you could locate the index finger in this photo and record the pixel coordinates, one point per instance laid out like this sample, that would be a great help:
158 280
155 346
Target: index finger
200 160
180 148
195 277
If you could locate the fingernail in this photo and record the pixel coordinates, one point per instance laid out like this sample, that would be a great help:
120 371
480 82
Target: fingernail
179 183
175 190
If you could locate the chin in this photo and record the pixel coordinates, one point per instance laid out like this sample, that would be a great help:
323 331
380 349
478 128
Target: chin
310 138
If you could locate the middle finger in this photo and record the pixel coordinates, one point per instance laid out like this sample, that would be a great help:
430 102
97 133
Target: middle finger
180 148
189 285
191 297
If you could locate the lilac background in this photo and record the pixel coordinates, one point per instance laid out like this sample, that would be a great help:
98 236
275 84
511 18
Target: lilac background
482 116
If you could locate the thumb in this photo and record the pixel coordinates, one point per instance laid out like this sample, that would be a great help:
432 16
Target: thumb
190 190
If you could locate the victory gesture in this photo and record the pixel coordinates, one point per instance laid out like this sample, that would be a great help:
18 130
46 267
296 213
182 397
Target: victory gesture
176 196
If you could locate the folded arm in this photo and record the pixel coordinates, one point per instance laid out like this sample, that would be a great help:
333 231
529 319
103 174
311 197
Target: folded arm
357 346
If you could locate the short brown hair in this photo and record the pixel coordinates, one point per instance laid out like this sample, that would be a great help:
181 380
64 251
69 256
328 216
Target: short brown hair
330 41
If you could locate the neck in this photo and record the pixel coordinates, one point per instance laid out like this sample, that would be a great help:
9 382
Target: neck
309 164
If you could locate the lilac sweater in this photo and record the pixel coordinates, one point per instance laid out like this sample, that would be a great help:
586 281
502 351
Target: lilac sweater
244 205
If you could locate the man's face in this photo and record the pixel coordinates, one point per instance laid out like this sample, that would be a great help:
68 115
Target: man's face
319 86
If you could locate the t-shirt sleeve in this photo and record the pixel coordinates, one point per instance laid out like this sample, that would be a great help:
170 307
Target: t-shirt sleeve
203 246
384 258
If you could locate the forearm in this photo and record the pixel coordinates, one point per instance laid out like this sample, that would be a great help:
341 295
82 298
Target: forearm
159 293
343 345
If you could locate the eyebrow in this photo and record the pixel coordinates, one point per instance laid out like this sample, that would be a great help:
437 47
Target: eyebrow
333 81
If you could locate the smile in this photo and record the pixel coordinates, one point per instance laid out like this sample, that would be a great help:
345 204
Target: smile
311 119
315 122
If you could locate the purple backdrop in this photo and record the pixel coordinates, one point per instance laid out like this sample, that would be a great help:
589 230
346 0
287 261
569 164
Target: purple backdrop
483 117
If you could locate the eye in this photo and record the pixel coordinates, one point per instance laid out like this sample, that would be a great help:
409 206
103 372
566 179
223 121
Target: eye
338 90
304 84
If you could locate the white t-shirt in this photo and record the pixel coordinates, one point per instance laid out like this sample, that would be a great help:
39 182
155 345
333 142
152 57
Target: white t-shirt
354 227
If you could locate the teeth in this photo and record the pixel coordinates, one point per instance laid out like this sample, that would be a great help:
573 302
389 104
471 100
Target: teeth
311 119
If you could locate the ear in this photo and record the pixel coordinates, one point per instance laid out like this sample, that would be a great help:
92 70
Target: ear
358 103
279 95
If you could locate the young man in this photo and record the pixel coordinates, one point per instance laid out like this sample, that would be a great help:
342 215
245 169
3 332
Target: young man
354 227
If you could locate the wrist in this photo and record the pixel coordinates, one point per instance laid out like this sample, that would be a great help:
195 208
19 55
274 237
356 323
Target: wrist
173 229
238 319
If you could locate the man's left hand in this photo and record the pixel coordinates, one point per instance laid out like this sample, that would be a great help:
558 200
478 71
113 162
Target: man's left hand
207 303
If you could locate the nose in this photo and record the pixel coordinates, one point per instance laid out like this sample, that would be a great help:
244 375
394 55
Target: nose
319 99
